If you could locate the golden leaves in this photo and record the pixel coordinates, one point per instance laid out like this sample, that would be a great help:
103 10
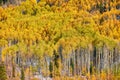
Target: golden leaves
9 50
3 43
33 1
56 23
3 15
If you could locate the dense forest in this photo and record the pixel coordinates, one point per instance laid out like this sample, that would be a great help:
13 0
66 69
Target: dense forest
60 39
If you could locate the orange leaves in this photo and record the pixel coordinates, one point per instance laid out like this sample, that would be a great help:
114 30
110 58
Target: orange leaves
103 75
1 10
93 77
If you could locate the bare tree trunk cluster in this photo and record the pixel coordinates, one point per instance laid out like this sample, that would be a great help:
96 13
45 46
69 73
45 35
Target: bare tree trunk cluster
81 60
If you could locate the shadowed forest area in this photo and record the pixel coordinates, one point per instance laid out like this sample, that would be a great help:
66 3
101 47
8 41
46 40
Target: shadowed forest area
59 39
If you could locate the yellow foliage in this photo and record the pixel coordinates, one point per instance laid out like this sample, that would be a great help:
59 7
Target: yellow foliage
41 28
93 77
34 1
103 75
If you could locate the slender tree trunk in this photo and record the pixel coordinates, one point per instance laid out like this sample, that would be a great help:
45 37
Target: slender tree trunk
88 60
105 57
99 60
77 61
69 66
13 67
46 66
80 61
74 62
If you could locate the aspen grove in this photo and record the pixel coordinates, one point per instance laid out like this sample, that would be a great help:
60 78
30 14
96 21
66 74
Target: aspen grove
60 39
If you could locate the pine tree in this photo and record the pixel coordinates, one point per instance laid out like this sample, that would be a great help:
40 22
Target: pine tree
22 74
51 69
3 75
1 1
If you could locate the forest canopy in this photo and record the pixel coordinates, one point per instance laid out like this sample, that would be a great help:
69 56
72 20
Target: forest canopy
43 29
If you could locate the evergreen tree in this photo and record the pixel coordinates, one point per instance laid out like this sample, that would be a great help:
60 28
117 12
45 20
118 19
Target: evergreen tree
22 74
3 75
1 1
51 69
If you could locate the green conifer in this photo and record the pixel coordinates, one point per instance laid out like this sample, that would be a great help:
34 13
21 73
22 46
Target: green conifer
3 75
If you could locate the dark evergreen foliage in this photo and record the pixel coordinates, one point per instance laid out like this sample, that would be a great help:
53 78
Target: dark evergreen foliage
22 74
3 75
